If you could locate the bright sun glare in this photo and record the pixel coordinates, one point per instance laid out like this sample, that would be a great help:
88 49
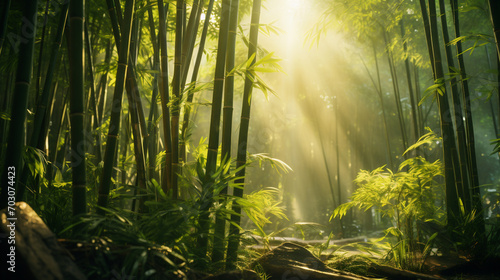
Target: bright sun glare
294 4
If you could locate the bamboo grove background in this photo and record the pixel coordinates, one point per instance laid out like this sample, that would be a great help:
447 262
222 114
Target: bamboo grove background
140 110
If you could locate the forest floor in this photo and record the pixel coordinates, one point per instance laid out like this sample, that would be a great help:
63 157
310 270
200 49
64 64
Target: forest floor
451 267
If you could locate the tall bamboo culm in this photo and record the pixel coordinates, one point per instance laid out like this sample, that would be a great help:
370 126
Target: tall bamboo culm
39 128
241 158
15 138
467 112
114 125
190 95
76 105
495 21
176 90
164 95
227 121
4 15
213 141
449 147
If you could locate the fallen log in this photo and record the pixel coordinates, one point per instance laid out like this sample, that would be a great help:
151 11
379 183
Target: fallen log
234 275
399 274
291 261
32 250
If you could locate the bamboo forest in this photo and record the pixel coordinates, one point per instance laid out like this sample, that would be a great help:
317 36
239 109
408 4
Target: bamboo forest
250 139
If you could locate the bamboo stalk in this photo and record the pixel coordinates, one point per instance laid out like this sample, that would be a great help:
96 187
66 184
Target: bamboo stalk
164 95
112 11
463 160
213 140
234 237
4 16
103 83
190 94
466 107
495 21
397 96
114 126
76 108
152 147
46 91
189 39
15 142
93 99
227 121
410 86
40 54
449 148
176 91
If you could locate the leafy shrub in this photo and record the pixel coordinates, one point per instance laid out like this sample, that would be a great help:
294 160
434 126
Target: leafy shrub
409 197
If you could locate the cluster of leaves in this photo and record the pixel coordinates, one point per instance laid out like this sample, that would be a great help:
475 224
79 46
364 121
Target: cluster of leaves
409 197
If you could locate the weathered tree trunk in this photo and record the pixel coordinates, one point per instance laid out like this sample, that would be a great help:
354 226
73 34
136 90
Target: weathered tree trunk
291 261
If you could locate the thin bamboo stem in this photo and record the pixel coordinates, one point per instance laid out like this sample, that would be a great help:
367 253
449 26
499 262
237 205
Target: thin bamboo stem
4 16
176 91
164 94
